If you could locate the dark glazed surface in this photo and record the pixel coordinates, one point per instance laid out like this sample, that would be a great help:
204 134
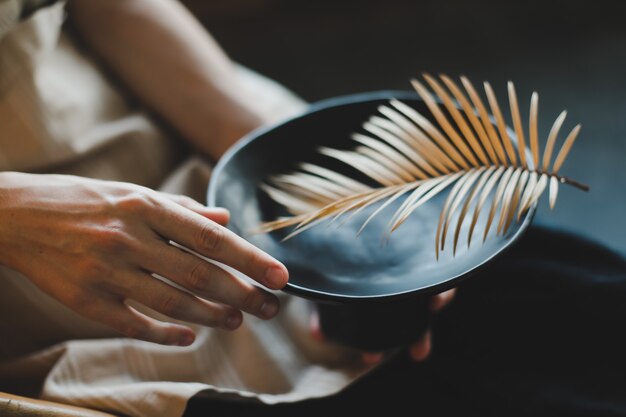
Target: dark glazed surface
329 263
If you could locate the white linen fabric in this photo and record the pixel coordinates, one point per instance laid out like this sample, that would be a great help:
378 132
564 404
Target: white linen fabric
60 113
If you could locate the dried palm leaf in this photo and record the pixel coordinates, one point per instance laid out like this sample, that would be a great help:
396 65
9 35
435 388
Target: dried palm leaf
407 154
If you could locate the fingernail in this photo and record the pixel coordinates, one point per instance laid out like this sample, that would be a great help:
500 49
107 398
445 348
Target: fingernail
233 321
269 309
275 277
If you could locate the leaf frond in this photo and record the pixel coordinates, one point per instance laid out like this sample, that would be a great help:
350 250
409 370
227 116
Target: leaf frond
463 147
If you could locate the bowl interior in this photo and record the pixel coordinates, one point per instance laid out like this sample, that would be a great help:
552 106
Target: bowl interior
328 262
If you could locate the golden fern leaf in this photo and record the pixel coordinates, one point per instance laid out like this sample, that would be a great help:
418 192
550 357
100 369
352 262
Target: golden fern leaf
408 155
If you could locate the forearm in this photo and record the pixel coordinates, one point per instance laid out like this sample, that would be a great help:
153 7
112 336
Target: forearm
9 189
5 193
168 60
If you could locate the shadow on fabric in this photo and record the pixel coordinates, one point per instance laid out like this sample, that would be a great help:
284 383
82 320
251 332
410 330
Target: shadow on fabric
537 333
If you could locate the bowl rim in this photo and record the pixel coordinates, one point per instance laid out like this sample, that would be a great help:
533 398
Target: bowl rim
323 296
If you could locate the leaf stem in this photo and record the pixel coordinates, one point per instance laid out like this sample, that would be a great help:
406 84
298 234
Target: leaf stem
565 180
572 182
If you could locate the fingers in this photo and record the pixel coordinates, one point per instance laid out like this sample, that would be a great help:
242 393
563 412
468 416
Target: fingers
420 350
129 322
371 359
315 328
367 358
208 280
180 305
441 300
216 242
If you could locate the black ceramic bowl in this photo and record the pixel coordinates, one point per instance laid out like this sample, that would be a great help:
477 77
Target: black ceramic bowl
371 293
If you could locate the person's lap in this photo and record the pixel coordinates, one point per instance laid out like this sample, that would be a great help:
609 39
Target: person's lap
536 333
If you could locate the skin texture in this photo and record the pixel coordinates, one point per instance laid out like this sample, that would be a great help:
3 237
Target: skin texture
419 351
173 65
95 245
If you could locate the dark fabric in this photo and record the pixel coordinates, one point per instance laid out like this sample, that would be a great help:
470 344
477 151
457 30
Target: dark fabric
540 332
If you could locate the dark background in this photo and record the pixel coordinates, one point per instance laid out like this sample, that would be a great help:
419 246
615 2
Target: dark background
572 52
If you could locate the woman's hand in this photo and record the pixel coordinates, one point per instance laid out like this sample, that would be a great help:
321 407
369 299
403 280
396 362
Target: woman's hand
418 351
94 244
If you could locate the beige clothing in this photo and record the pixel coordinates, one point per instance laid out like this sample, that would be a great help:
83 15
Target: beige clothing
58 113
